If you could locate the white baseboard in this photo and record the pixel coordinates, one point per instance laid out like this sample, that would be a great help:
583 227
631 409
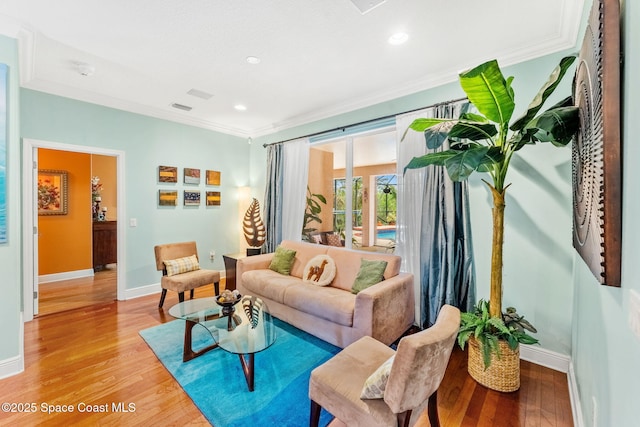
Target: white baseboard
14 365
142 291
574 396
543 357
67 275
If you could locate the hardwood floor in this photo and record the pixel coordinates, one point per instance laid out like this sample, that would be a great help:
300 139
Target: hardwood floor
93 355
70 294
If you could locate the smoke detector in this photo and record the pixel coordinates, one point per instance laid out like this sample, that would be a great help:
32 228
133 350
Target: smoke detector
86 69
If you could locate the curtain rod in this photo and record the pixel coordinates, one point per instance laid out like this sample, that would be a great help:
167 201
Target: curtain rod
344 127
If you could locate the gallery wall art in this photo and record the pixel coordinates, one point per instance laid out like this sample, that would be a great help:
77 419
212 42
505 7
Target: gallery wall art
213 198
213 177
167 198
191 198
191 176
167 174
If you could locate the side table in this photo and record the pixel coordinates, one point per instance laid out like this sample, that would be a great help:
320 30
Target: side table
230 261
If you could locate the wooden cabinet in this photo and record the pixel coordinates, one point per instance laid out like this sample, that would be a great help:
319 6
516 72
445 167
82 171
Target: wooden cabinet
105 244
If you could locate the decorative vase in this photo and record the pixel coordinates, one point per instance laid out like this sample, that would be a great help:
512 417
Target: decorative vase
503 374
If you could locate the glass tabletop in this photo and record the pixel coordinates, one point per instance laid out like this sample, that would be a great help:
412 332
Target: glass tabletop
247 329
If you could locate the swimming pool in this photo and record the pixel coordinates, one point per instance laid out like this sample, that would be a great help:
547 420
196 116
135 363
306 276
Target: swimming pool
387 234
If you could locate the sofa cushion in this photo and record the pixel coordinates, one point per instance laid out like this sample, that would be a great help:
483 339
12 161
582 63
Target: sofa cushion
320 270
181 265
304 252
370 273
348 264
282 260
268 284
327 302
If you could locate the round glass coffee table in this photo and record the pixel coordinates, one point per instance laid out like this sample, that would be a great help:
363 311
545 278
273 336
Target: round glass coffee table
244 328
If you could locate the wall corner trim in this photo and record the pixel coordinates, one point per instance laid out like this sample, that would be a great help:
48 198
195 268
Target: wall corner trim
574 396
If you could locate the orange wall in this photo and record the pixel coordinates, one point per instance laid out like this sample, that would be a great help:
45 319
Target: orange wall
321 182
105 168
64 241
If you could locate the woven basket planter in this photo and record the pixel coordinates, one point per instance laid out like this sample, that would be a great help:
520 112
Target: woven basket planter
503 374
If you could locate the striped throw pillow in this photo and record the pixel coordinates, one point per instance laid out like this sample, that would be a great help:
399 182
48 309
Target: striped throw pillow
181 265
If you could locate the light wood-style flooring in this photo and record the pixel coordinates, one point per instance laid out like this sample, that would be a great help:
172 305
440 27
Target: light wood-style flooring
92 354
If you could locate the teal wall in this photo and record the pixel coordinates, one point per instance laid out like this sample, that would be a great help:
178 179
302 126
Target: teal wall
148 143
538 250
605 353
10 253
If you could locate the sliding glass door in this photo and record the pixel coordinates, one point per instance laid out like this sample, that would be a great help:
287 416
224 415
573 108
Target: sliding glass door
352 174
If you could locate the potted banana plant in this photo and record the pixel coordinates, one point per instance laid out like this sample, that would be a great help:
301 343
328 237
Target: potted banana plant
485 141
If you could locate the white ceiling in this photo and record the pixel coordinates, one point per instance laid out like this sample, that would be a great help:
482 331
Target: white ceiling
318 57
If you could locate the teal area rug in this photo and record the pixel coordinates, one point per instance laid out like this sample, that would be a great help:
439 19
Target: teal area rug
216 384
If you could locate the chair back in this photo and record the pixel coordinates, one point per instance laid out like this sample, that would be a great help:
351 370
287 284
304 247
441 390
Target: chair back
173 251
421 361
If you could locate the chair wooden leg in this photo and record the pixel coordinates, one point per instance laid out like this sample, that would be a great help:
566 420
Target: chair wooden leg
314 416
162 296
434 419
191 294
216 286
181 296
404 418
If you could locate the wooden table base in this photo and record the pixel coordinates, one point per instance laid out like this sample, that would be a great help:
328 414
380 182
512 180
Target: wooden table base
188 353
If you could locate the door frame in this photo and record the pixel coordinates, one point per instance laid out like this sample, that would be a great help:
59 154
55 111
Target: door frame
30 213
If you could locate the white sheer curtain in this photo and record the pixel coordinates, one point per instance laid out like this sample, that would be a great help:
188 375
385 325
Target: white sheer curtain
295 175
410 199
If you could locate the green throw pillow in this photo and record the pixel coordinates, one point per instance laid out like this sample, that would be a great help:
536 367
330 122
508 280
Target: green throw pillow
371 272
282 260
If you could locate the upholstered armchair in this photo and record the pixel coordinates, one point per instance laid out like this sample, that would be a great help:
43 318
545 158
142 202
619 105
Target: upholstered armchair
368 384
181 270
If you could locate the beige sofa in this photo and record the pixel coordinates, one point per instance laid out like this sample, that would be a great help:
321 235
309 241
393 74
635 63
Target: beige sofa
333 313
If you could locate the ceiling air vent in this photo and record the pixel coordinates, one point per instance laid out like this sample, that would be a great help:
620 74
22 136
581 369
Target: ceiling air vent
199 94
181 107
365 6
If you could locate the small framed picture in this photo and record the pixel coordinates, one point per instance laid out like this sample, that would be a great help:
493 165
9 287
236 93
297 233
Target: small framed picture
52 192
191 198
167 174
191 176
213 177
213 198
167 198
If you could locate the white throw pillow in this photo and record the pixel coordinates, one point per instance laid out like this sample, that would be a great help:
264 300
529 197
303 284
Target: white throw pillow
376 383
320 270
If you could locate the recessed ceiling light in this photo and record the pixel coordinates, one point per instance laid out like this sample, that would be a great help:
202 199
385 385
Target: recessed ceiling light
240 107
253 60
398 38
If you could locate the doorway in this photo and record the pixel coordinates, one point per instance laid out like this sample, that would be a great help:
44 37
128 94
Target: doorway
31 224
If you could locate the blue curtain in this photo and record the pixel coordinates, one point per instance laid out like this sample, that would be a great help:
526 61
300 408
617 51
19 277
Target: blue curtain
446 254
272 198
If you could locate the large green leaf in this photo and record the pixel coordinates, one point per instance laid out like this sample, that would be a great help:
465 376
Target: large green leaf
544 93
474 131
463 164
422 124
489 92
437 159
438 133
557 126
